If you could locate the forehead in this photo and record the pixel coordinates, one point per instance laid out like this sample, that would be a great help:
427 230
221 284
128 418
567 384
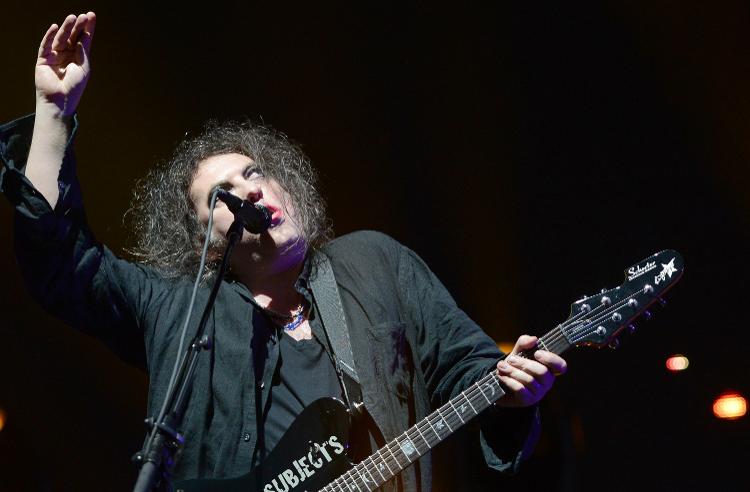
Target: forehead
217 168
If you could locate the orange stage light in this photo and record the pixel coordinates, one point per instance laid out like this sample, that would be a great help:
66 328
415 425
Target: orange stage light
730 406
506 347
2 419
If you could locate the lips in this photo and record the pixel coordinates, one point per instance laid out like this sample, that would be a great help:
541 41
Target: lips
277 215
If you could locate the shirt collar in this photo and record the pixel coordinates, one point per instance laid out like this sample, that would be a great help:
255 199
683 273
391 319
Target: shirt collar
301 285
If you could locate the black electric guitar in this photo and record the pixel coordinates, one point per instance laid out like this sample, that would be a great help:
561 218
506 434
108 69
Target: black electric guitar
312 455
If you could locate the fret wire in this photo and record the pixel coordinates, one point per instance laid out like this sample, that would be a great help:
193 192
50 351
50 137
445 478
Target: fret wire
457 420
377 468
354 480
362 474
442 418
433 428
343 481
385 461
367 467
427 443
485 396
456 412
472 397
358 488
365 471
388 447
402 449
544 346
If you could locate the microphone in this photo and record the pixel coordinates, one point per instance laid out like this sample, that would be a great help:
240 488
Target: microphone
255 217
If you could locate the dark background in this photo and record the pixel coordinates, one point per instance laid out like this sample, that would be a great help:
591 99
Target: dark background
529 153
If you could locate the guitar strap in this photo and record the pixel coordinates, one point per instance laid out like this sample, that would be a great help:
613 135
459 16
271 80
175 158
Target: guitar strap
328 301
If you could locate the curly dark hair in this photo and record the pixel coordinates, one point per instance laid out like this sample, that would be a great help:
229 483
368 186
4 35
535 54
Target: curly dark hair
170 238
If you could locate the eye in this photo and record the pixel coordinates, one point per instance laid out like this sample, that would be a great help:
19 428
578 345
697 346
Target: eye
252 172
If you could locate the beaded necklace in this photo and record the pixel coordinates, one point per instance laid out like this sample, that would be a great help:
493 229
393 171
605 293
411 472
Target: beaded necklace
290 321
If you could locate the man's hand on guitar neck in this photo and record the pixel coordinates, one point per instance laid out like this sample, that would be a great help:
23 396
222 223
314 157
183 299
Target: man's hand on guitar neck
528 380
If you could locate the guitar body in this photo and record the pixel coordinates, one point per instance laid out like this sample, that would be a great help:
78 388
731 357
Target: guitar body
310 455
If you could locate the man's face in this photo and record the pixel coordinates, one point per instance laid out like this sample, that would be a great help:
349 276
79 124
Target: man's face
238 174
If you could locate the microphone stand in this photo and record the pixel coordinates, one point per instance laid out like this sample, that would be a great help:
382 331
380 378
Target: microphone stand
158 455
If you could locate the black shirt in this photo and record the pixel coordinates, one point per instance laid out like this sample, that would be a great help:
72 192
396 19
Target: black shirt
305 373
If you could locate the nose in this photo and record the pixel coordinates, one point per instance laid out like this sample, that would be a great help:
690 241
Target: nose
252 191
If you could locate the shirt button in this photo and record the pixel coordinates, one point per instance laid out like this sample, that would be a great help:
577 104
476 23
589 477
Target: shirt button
246 437
262 384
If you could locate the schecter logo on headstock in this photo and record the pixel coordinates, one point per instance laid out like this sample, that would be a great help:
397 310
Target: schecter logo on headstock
667 269
637 271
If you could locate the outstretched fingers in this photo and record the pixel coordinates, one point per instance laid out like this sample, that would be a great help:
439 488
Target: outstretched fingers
88 32
45 48
82 35
62 38
80 28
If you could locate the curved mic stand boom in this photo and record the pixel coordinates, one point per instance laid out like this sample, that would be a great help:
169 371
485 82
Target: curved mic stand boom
158 454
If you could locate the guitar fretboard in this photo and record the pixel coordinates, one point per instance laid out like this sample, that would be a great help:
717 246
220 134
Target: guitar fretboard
402 451
405 449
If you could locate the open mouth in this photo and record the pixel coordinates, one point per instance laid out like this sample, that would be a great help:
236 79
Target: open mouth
277 215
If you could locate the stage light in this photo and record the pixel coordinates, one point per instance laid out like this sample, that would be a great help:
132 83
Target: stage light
677 362
2 419
730 405
506 347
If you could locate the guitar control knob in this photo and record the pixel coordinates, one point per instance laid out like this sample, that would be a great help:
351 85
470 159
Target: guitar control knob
631 328
632 303
606 301
648 289
616 317
614 344
601 331
647 314
662 301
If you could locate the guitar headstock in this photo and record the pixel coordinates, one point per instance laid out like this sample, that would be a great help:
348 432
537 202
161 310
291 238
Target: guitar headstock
597 320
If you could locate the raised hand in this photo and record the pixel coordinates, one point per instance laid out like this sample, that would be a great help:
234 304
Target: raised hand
63 66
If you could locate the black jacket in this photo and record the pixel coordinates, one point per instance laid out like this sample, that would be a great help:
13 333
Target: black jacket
414 348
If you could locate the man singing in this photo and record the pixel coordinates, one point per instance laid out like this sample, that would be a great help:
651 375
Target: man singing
413 349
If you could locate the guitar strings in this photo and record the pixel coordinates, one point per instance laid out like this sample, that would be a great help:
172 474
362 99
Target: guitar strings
453 421
556 337
561 335
588 328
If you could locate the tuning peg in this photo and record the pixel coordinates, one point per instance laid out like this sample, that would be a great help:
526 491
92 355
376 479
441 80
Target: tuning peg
647 314
662 301
614 344
631 328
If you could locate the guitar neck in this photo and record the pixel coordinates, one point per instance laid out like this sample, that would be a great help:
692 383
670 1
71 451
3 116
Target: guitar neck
405 449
